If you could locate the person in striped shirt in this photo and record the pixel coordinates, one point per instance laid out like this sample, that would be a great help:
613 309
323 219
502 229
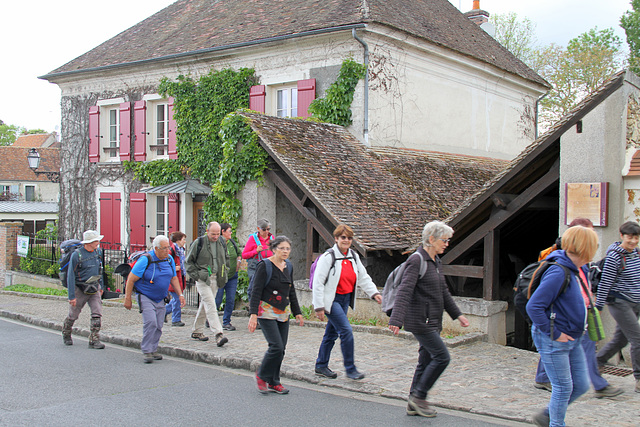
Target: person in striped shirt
619 288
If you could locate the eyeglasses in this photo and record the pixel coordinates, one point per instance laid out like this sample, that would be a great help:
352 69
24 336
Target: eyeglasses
283 249
445 240
266 229
164 248
345 238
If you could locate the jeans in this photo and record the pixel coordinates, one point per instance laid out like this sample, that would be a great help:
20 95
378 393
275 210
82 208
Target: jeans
626 315
276 333
207 309
174 308
338 325
230 301
566 366
589 348
433 359
152 321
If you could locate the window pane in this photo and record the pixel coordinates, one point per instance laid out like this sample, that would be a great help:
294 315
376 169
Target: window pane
282 103
160 215
161 127
29 193
114 131
294 102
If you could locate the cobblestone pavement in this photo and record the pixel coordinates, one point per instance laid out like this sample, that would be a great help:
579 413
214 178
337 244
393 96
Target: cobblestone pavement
482 378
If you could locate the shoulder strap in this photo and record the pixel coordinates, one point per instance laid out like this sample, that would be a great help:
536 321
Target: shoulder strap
257 240
423 265
199 247
235 246
268 269
290 268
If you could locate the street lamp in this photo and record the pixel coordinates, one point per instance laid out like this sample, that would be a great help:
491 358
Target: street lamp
33 158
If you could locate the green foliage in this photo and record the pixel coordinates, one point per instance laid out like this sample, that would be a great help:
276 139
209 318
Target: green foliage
34 290
336 106
32 265
156 172
517 36
50 232
630 22
9 133
243 285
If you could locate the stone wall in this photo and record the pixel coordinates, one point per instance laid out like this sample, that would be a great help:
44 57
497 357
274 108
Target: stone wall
9 259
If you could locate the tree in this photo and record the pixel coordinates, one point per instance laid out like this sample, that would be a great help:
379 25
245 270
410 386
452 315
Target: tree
34 132
517 36
630 22
9 133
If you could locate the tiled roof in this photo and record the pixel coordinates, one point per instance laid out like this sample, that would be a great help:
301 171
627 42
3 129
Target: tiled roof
196 26
14 166
537 148
386 195
35 140
29 207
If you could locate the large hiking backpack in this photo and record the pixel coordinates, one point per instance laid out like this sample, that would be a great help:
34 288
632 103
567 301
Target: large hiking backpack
268 266
125 269
329 251
67 248
528 281
393 283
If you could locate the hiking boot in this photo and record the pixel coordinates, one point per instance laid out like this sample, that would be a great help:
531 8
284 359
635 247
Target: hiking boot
262 385
166 318
228 327
543 386
608 391
67 326
147 357
410 411
96 345
637 386
355 375
94 335
279 388
541 418
421 407
199 336
326 372
221 340
156 356
178 323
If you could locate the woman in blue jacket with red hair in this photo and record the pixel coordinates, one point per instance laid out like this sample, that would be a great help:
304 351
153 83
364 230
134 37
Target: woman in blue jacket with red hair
559 321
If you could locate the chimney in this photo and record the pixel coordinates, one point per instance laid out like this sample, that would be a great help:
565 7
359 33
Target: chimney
477 15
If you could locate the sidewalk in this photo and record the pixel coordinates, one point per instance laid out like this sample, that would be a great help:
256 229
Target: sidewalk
482 378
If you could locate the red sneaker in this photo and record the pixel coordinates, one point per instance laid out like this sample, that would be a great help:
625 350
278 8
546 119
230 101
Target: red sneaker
262 385
278 389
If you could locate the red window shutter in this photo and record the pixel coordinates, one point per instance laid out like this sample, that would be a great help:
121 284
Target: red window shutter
94 134
306 94
125 131
257 97
174 212
110 204
140 126
173 151
138 209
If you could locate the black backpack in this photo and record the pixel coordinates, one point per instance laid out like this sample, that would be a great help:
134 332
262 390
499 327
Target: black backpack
596 267
528 281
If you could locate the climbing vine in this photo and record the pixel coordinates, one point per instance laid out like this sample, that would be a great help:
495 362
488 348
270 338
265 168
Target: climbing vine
335 107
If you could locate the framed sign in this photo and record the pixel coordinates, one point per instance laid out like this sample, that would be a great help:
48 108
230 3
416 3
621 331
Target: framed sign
587 200
23 245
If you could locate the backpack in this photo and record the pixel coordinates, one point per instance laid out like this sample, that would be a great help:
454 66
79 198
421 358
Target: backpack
67 248
528 281
312 270
257 240
393 283
596 267
268 266
125 269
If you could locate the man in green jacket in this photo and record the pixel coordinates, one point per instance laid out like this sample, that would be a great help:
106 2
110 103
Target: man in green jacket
208 263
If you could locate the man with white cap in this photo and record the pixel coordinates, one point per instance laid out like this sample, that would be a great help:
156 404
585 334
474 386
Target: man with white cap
85 285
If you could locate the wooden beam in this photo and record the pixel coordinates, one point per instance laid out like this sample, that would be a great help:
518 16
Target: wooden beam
491 283
463 270
499 218
309 246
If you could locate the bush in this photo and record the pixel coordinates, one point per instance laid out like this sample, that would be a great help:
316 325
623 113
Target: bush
243 285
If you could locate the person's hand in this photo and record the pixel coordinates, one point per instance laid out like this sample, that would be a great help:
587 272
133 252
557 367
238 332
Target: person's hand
183 301
394 329
260 248
101 292
178 267
378 298
463 321
320 314
73 302
127 303
253 322
564 338
300 319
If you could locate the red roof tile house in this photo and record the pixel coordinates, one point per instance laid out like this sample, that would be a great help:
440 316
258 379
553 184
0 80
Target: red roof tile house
442 109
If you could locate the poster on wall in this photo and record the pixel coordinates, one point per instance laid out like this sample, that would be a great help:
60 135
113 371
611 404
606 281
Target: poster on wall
587 200
23 245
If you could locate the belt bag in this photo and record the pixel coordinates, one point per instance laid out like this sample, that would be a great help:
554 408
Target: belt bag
90 288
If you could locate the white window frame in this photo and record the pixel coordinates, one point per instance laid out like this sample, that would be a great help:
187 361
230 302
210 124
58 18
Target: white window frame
285 100
153 102
162 200
108 151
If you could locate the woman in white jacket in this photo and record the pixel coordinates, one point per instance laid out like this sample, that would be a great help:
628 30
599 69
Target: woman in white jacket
335 283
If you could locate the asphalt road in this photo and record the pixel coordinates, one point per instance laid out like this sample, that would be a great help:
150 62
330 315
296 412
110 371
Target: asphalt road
44 383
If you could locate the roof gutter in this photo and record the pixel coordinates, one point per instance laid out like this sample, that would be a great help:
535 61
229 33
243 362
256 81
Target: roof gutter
365 131
203 51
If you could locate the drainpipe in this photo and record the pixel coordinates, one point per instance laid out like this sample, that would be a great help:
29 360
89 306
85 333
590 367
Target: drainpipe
366 87
537 104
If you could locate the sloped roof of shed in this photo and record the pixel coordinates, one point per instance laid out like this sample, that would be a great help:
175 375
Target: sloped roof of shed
387 194
28 207
194 26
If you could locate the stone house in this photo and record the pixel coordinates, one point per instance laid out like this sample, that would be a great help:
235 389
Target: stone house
439 91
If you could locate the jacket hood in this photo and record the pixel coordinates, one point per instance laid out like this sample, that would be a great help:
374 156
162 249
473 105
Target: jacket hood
561 258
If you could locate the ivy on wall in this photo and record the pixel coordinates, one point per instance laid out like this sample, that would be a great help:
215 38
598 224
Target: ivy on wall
335 107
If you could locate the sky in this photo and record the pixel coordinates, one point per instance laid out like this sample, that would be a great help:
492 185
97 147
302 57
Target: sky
38 37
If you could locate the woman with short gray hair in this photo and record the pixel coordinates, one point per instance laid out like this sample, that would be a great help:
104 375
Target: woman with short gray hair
422 297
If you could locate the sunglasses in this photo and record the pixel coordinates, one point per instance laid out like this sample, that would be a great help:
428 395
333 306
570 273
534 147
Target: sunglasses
266 229
345 238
